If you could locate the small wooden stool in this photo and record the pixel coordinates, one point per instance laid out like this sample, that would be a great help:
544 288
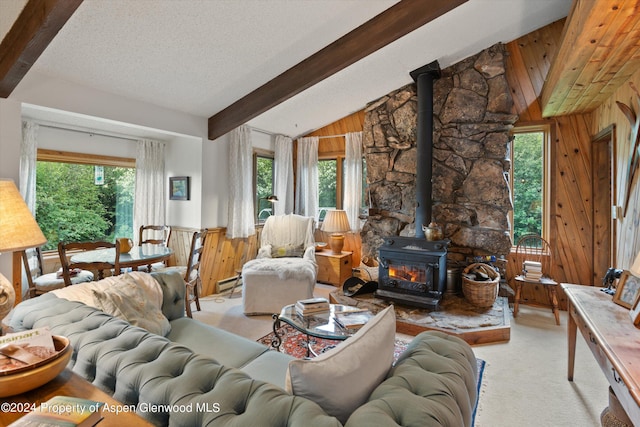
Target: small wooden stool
552 291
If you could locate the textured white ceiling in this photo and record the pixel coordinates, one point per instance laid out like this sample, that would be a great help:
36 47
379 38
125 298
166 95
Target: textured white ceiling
199 56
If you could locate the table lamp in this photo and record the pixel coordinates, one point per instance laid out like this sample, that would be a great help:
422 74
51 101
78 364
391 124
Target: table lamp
18 231
336 223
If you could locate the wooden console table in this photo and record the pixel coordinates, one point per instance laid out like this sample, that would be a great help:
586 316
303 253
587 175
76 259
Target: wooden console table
612 338
71 384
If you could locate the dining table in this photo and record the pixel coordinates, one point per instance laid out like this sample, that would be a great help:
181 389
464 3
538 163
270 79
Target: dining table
137 256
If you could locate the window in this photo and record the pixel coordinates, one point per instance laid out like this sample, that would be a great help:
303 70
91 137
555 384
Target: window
328 195
84 197
331 186
263 184
529 157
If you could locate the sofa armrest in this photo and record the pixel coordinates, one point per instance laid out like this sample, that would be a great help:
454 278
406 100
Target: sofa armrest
432 383
173 291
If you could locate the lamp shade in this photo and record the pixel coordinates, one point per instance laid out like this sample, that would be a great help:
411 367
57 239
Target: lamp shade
635 267
336 221
18 229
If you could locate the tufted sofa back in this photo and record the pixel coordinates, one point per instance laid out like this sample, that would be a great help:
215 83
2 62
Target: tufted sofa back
433 382
435 379
164 382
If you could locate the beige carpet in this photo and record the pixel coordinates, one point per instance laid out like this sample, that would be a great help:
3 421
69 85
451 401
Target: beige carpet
525 380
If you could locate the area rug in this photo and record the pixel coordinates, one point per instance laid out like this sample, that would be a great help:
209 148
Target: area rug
294 343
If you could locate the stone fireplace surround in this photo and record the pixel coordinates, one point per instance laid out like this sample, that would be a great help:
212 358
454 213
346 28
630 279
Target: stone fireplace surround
472 117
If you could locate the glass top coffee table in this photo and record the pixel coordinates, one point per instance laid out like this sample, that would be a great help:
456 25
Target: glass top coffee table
320 325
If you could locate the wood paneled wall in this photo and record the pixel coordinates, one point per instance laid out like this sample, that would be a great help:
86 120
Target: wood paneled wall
332 147
627 227
572 195
528 63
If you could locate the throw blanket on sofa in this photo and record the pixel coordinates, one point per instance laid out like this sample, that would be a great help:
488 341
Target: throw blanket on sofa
135 297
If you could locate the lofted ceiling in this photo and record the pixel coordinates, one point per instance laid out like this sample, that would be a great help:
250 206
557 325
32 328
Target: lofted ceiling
201 56
600 51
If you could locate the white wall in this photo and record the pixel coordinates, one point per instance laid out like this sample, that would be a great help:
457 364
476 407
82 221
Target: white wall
189 151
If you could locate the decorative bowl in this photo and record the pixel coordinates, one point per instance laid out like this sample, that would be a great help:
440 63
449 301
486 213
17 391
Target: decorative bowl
33 376
320 246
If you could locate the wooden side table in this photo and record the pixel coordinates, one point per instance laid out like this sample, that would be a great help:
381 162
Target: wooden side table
69 384
333 269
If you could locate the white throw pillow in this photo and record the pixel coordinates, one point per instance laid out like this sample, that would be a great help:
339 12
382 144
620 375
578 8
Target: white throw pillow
341 380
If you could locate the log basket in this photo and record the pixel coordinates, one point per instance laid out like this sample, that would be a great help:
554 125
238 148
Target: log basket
481 293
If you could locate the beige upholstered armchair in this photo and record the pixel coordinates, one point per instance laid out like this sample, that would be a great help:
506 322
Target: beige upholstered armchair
285 269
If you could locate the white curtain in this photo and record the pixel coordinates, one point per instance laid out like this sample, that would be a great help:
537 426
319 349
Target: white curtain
241 219
307 174
149 206
27 184
28 158
353 178
283 175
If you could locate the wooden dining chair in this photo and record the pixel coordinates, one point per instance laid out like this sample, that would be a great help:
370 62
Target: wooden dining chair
98 265
40 283
192 274
535 256
156 235
191 271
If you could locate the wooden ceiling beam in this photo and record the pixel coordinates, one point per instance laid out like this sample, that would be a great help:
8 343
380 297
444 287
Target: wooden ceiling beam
397 21
31 33
598 38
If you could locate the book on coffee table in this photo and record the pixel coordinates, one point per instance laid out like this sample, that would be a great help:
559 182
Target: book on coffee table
353 320
312 306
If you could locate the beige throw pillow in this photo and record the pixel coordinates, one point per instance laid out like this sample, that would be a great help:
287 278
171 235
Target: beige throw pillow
288 251
127 300
342 379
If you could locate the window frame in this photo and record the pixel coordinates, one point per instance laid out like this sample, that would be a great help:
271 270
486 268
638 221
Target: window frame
547 138
339 158
267 154
73 157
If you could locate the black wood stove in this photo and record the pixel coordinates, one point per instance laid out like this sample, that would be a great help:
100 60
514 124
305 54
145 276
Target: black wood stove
413 271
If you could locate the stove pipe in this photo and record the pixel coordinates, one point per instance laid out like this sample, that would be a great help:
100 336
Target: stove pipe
424 77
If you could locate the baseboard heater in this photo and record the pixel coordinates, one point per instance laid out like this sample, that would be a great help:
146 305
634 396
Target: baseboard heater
226 284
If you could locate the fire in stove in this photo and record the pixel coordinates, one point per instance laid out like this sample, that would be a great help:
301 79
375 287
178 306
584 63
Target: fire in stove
407 273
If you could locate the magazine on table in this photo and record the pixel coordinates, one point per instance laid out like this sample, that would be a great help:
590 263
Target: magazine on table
21 349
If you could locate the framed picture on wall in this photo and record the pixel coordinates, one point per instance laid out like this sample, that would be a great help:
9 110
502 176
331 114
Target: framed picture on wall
179 188
628 290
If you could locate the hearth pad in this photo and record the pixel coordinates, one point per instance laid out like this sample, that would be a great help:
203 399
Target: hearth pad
455 316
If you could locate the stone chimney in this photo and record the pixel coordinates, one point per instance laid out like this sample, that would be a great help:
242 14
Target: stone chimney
472 117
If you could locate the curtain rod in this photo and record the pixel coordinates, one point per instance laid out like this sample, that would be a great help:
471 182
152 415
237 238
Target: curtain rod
88 132
275 134
332 136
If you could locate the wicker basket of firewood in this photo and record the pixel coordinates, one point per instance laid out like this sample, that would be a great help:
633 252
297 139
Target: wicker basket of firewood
480 284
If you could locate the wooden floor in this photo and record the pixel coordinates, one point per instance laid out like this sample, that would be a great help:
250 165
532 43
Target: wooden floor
455 317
